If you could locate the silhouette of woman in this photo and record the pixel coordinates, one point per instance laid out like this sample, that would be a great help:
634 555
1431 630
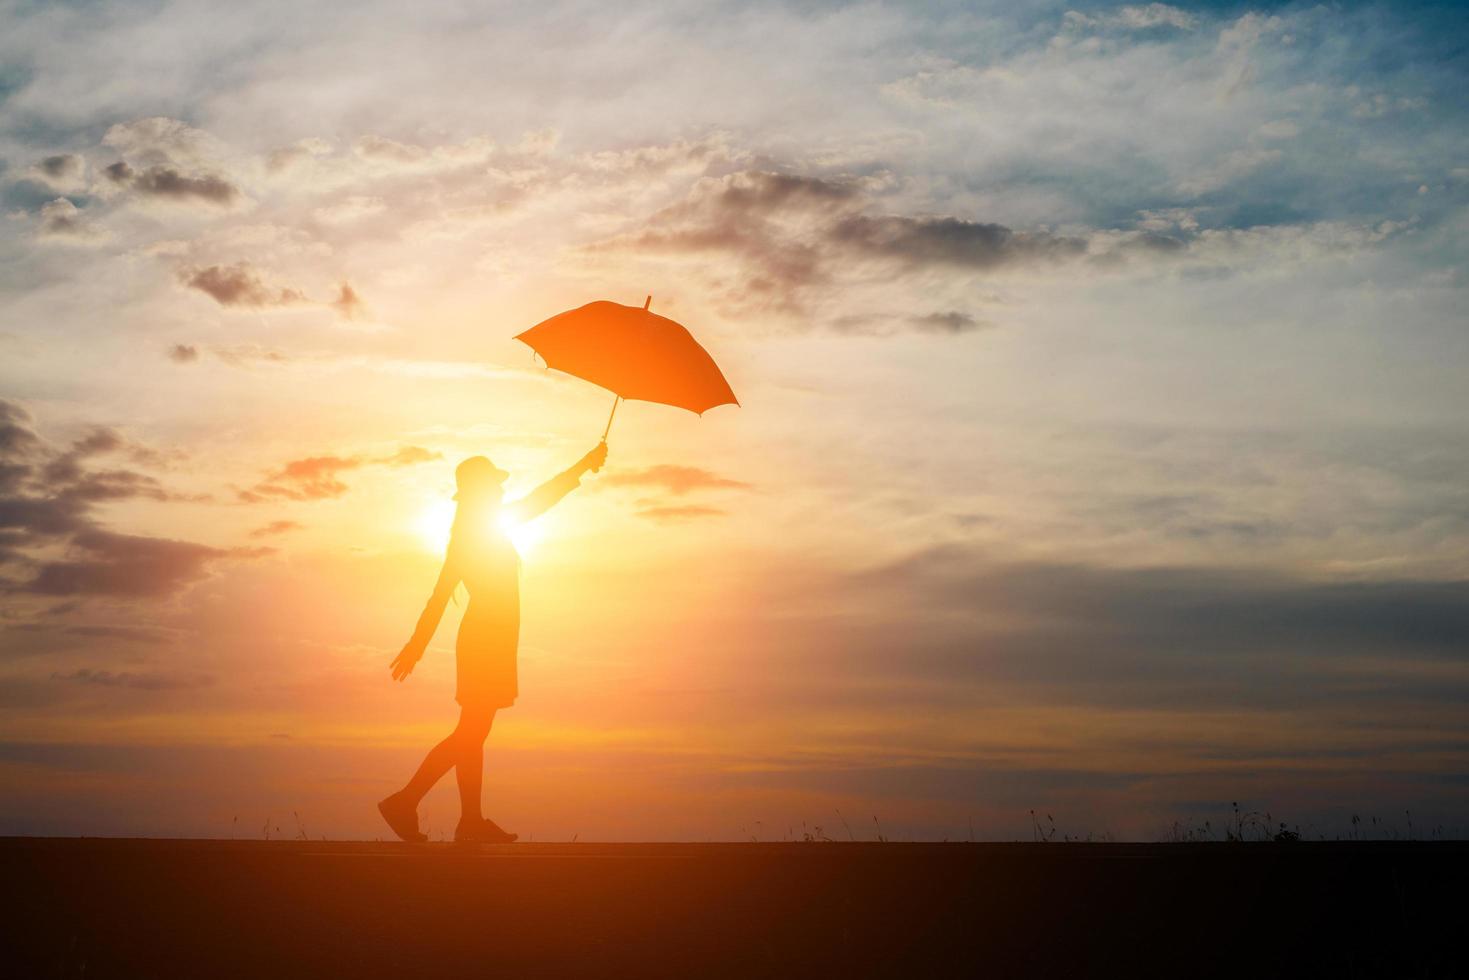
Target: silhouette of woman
481 556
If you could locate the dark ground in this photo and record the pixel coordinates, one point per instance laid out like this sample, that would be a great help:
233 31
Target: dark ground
177 908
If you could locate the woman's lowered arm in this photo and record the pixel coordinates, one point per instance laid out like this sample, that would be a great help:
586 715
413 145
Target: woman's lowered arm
428 621
548 494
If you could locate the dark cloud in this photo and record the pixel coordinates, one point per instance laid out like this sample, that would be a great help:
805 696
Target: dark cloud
796 234
746 214
276 527
948 241
39 517
16 437
146 681
797 239
183 353
678 480
66 468
761 192
167 183
318 477
48 524
1156 637
63 166
104 563
684 513
238 285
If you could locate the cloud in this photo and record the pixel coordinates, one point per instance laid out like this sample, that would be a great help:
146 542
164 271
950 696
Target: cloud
1221 173
689 512
144 681
275 528
62 172
159 140
1156 15
62 220
16 437
677 480
241 285
183 353
48 501
1380 104
799 237
238 285
390 154
165 183
313 478
1135 18
134 634
408 456
1158 637
287 156
101 440
763 218
950 322
348 303
795 245
244 355
104 563
319 477
949 241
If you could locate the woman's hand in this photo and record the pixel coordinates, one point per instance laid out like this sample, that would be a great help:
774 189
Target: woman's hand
593 460
404 662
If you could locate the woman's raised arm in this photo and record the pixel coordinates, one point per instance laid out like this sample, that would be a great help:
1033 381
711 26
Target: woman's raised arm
548 494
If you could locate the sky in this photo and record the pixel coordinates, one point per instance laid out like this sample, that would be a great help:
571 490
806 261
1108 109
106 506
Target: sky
1101 449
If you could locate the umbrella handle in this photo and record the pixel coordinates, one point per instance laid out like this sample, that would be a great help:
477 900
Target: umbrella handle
609 423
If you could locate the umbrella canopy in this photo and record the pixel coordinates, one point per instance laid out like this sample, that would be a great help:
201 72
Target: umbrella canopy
633 353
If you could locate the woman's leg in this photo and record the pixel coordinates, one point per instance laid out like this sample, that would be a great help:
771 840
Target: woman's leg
445 756
469 764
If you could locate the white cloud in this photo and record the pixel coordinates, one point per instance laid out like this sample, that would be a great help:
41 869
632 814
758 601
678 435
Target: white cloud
161 141
1156 15
1131 18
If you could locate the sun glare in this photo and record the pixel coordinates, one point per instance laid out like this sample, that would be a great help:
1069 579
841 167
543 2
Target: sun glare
437 518
523 535
433 525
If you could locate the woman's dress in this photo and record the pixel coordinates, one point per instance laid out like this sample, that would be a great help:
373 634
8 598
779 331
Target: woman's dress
481 556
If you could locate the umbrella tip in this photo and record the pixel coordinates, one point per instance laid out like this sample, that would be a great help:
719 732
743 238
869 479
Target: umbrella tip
648 302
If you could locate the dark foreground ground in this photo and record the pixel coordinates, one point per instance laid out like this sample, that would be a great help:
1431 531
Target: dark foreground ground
171 908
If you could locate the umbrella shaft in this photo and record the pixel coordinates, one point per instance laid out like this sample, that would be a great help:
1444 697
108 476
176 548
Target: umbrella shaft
610 417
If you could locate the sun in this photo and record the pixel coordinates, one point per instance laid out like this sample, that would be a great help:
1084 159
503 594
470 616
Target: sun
436 519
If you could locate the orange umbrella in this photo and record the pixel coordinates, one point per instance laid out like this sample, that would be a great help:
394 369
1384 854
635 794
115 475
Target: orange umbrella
633 353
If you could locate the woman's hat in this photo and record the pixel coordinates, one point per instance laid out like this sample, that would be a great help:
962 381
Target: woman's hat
477 473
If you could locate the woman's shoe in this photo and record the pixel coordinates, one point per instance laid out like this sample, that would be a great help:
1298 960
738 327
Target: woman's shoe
483 831
402 817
